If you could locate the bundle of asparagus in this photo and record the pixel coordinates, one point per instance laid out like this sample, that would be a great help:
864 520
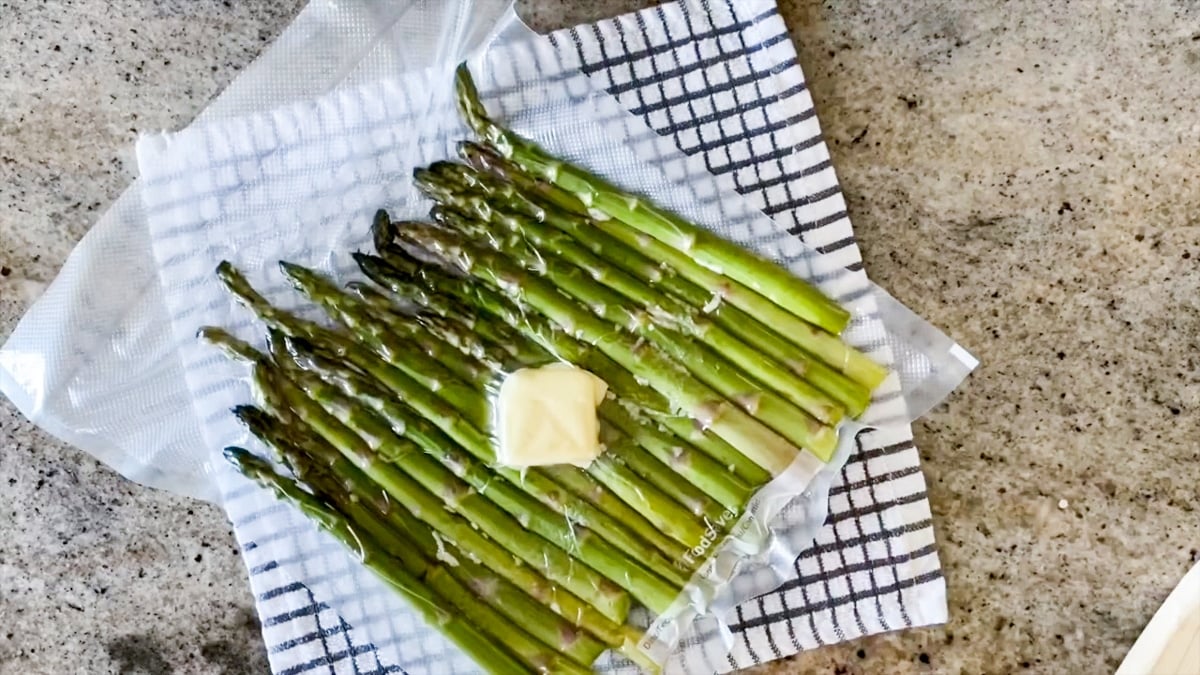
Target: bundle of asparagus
721 368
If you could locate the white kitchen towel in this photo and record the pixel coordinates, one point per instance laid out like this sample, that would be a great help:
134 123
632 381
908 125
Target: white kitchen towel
719 80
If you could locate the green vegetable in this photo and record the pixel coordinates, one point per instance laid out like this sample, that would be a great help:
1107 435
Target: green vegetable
664 310
618 492
722 367
524 194
826 347
373 447
530 327
772 281
564 527
769 450
787 420
411 541
370 443
669 464
432 608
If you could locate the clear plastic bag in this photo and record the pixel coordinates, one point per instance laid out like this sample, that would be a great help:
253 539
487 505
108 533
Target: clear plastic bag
299 182
96 348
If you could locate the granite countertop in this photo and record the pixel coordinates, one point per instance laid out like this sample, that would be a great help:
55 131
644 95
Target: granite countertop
1023 174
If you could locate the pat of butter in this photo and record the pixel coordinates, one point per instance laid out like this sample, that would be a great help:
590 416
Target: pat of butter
547 415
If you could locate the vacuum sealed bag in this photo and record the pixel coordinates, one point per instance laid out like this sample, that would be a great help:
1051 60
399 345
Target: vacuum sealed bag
293 164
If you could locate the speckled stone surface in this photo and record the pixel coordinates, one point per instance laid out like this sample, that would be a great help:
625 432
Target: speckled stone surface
1024 174
98 574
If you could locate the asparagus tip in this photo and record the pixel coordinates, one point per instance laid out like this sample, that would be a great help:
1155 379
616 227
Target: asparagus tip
375 267
429 185
468 97
230 276
237 284
232 346
303 279
245 461
296 345
264 427
292 270
257 420
476 155
382 232
245 412
302 352
442 166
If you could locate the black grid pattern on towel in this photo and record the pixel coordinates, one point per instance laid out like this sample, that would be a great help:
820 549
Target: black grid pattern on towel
722 80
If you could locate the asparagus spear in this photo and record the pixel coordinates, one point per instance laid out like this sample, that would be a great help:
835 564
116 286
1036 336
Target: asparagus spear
334 478
643 498
501 179
469 363
395 343
676 464
441 412
428 403
385 313
383 273
760 274
666 310
411 541
359 435
628 432
544 516
403 269
379 271
443 409
372 445
667 465
786 419
825 346
430 508
465 584
653 467
534 654
423 600
772 452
